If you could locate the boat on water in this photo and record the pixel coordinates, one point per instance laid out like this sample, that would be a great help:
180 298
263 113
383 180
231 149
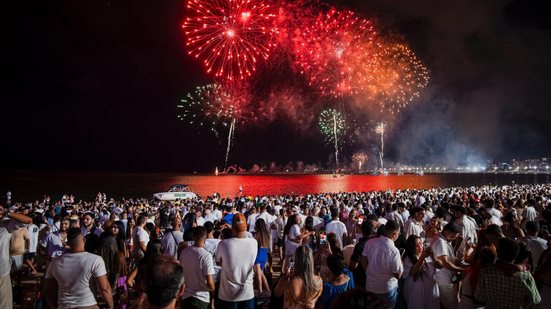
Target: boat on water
175 192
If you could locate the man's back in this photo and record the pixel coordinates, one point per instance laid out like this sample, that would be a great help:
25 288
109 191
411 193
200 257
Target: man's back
237 256
500 289
383 262
337 227
197 263
73 272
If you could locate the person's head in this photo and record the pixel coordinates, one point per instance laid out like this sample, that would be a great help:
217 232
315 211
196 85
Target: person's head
392 230
75 240
435 223
335 263
507 250
88 220
450 231
164 282
417 213
493 233
509 217
176 223
199 235
524 256
115 229
414 247
309 223
367 228
209 227
239 225
458 211
532 228
153 249
64 224
334 213
141 220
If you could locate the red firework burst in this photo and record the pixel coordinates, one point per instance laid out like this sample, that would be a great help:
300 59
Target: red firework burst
332 52
230 36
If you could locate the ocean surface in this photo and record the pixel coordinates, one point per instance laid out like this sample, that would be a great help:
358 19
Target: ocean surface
27 187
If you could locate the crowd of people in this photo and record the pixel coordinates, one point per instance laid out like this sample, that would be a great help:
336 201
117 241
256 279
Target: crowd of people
475 247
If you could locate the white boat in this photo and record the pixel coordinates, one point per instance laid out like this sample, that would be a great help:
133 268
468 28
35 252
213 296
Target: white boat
176 192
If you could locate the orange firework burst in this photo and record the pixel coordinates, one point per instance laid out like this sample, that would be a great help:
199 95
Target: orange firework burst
230 36
333 51
398 77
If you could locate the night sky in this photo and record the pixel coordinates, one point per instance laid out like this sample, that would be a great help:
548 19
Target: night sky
94 85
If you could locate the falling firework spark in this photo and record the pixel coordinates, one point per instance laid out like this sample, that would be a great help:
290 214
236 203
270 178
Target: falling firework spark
360 157
332 125
380 129
230 36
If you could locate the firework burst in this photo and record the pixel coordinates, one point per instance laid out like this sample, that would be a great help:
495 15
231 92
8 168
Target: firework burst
398 77
332 52
218 106
229 36
333 126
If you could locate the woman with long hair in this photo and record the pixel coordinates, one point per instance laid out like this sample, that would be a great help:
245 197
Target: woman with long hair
136 277
115 264
293 239
419 269
262 236
301 288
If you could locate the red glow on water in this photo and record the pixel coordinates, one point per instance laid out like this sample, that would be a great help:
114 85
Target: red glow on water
228 185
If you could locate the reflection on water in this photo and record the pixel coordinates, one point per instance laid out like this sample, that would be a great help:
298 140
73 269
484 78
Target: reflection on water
31 186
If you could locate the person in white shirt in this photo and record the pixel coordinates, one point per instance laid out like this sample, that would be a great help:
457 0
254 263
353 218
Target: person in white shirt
536 244
89 225
236 256
140 238
529 213
489 219
251 219
444 255
415 225
383 264
68 276
33 245
467 225
199 272
8 223
336 226
172 238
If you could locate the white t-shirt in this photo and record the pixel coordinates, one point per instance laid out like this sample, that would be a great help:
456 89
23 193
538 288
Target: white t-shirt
211 244
290 245
139 235
236 256
383 262
73 272
33 237
251 220
198 264
338 228
170 242
441 247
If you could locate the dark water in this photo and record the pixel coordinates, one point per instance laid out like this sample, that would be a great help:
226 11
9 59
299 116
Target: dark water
27 187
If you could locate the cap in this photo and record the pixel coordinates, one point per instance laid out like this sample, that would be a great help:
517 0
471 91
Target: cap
239 223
